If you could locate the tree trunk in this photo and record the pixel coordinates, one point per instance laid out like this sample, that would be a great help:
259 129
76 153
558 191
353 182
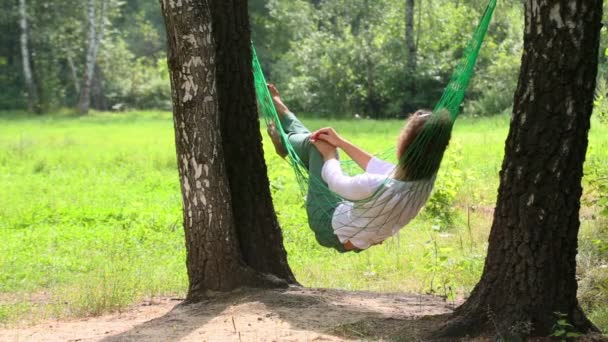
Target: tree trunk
410 44
73 72
530 270
371 109
260 237
33 103
95 37
232 236
418 27
98 97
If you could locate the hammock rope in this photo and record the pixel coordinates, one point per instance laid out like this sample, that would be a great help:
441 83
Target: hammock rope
426 151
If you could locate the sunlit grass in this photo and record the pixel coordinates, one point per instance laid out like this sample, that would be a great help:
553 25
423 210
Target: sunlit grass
90 215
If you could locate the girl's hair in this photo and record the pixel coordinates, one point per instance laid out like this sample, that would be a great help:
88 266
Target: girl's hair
421 145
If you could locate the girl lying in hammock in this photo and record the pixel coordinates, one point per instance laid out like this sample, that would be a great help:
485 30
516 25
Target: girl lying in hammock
370 207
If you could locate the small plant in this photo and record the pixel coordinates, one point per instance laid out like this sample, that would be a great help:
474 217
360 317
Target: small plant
601 101
596 184
595 176
449 181
562 329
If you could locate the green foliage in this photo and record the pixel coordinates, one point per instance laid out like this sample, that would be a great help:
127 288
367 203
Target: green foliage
593 250
600 318
600 105
562 329
134 82
596 171
345 57
440 205
603 63
593 240
11 82
58 44
444 263
494 84
332 58
593 288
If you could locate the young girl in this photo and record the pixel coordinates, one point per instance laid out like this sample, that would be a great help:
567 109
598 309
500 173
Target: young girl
393 194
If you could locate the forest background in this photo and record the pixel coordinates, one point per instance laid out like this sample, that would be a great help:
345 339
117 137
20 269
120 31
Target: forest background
331 58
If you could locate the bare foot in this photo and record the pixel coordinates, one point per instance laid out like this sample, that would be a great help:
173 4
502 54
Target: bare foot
278 102
276 140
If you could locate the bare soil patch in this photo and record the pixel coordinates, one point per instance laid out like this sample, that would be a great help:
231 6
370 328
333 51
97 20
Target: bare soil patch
295 314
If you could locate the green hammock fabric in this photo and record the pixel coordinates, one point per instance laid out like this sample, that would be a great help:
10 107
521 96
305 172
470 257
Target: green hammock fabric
426 150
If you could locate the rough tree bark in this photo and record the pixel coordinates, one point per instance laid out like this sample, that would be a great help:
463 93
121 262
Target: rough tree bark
95 36
232 235
260 237
530 269
33 104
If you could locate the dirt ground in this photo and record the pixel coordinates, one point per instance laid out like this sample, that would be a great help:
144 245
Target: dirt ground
295 314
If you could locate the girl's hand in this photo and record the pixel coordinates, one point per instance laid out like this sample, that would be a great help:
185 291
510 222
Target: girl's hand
327 151
328 135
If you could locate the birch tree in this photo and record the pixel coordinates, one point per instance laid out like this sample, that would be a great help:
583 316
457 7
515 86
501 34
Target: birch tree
33 104
95 36
232 235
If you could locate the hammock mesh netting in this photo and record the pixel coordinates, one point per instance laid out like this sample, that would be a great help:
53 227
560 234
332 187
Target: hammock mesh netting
394 202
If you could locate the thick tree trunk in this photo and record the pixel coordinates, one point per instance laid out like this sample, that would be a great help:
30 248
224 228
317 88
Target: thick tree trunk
232 236
259 234
33 104
96 31
410 44
530 270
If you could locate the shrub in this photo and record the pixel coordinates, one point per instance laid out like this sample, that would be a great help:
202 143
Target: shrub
134 82
440 205
601 102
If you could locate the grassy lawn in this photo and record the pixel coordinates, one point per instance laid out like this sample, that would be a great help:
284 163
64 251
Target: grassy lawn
90 216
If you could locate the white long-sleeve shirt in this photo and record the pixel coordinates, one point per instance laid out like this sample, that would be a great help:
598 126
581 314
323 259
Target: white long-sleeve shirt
389 204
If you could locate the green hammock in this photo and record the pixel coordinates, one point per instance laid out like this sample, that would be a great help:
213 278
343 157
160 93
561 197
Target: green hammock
426 150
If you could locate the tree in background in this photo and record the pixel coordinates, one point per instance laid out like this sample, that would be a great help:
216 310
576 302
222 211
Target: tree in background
96 24
59 40
332 57
410 44
529 280
338 58
232 234
32 91
129 70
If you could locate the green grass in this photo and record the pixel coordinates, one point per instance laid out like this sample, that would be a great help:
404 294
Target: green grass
90 215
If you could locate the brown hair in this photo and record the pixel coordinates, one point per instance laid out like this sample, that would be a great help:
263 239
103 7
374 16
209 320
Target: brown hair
427 164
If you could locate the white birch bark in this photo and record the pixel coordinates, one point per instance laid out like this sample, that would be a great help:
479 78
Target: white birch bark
95 37
32 93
